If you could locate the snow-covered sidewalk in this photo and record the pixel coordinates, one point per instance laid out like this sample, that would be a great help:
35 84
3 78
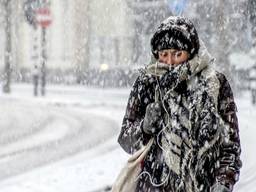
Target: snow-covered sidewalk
80 172
97 167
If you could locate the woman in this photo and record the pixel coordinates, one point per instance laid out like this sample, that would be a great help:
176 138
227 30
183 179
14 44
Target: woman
189 110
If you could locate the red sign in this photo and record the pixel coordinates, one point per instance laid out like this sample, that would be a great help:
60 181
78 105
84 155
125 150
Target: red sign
43 17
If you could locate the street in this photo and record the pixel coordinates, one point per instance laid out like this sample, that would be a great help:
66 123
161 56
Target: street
45 134
67 141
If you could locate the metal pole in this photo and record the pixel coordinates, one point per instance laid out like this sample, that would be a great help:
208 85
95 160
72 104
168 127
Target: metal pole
44 58
35 57
7 57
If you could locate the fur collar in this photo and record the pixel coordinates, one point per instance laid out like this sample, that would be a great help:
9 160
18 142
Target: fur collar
196 65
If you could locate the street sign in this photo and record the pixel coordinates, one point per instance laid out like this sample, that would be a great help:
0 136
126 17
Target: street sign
43 17
37 12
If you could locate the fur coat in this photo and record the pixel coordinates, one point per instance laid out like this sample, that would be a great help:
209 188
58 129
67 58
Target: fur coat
199 142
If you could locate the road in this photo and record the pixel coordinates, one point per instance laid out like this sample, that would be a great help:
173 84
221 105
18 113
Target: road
42 132
36 133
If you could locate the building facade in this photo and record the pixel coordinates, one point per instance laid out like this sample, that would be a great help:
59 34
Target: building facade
83 34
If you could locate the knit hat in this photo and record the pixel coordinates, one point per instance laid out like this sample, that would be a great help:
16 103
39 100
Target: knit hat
175 33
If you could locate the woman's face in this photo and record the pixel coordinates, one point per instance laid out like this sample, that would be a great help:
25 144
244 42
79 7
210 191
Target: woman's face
172 56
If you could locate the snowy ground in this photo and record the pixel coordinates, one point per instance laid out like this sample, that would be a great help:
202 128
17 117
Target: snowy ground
66 142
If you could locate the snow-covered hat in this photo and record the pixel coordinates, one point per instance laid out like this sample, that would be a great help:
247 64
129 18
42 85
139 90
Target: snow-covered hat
175 33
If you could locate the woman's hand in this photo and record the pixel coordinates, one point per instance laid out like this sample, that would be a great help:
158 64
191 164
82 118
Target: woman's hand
218 187
153 120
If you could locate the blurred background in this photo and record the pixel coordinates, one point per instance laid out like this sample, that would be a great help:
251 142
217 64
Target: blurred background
66 70
102 43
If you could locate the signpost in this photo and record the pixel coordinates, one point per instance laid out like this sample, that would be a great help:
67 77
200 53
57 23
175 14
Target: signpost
38 13
43 18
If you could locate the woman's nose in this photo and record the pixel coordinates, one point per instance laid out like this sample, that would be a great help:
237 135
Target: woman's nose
169 59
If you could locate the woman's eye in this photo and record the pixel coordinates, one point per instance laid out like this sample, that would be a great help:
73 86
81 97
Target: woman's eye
178 54
164 54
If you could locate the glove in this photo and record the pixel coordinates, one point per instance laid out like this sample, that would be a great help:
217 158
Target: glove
174 76
153 120
217 187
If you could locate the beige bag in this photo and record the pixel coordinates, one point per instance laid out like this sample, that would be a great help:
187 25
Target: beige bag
127 178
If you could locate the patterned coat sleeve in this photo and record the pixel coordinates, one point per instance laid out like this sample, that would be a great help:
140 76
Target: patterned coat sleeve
132 136
230 163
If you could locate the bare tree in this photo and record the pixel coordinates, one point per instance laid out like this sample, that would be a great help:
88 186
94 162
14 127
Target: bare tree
82 56
8 47
252 17
223 48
